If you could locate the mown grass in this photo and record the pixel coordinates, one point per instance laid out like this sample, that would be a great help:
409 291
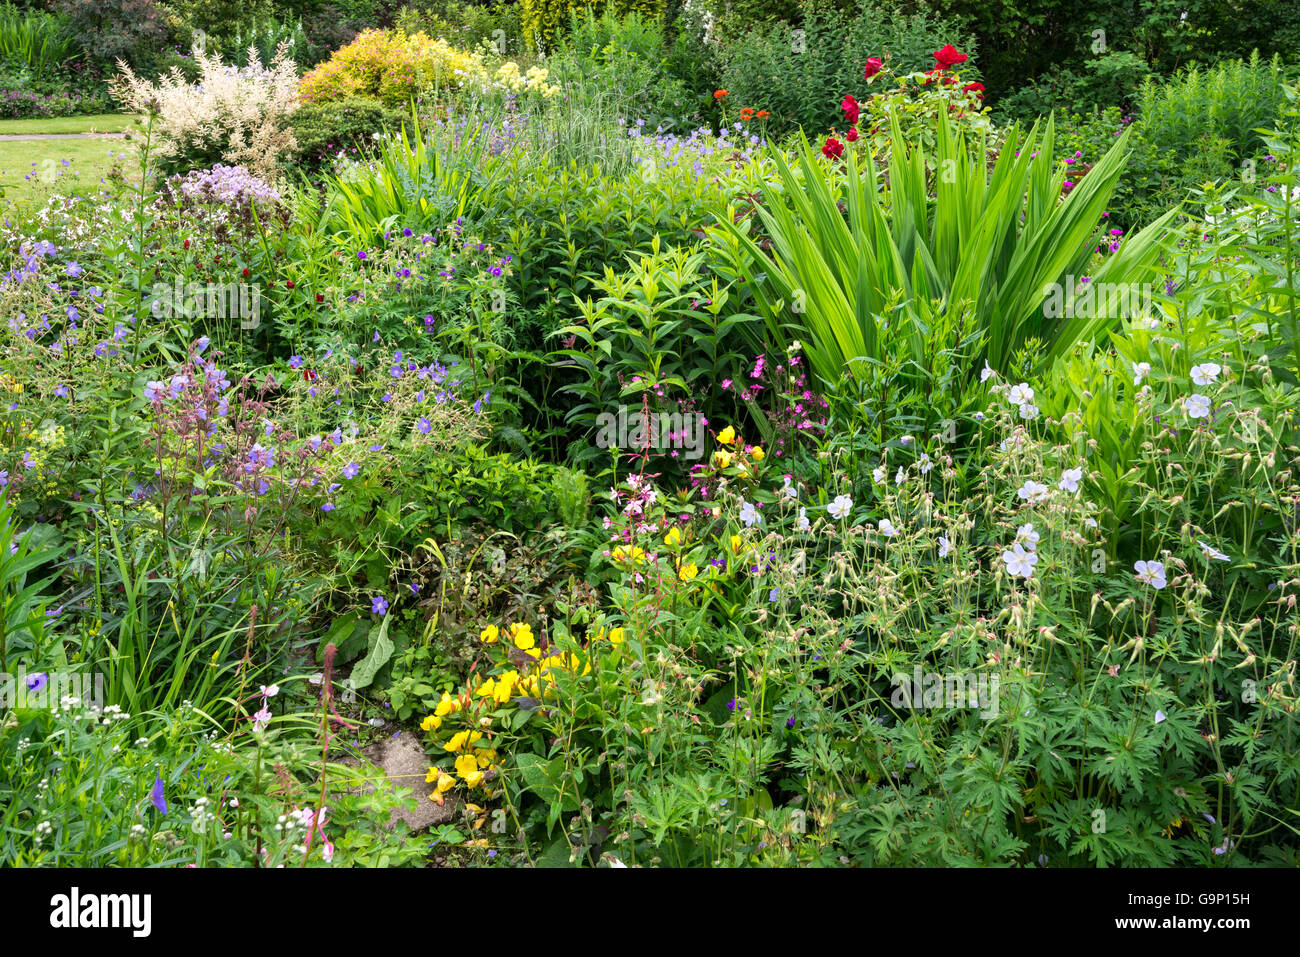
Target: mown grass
30 170
95 123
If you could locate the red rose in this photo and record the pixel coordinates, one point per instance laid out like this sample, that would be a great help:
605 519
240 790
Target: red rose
852 134
247 274
874 66
851 108
832 148
949 56
976 87
187 244
289 284
319 297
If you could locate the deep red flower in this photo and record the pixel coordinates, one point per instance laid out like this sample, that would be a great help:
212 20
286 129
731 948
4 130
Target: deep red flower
246 273
187 244
319 297
874 66
309 375
288 284
851 108
852 134
977 87
948 56
832 148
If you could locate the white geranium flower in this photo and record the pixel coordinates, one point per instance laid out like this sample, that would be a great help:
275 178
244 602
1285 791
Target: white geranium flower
748 514
1206 373
945 546
840 507
986 371
1210 552
1021 394
1070 479
802 521
1151 573
886 528
1029 411
1140 371
878 473
1020 563
1196 406
1026 536
1032 491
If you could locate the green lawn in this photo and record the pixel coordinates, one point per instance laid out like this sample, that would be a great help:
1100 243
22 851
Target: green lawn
32 169
96 123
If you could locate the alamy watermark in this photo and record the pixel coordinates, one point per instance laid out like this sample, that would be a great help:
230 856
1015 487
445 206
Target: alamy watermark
1096 300
210 300
662 431
930 690
46 689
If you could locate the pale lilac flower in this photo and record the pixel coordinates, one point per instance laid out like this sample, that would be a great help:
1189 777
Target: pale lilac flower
886 528
945 546
1210 552
1196 406
1207 373
1020 563
1070 479
1032 491
1151 573
1140 371
749 514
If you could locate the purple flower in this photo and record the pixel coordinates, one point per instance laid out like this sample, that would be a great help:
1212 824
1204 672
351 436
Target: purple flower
379 605
37 682
424 426
350 470
157 797
295 362
153 391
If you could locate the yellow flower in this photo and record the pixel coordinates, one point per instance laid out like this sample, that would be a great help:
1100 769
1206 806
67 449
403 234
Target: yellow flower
617 636
736 544
505 686
431 723
522 635
446 706
634 554
688 571
460 739
431 775
474 779
722 459
674 536
756 453
445 783
466 764
487 689
727 435
486 757
490 633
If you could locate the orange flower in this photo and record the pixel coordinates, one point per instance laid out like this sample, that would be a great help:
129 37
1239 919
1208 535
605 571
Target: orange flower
719 94
762 114
746 115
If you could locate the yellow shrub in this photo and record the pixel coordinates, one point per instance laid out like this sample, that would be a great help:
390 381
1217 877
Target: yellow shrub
393 67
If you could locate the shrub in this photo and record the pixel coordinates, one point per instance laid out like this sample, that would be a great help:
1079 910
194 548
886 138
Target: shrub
239 115
392 67
336 127
132 30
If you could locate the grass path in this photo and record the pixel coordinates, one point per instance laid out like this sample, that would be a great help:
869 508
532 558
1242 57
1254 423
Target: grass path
97 123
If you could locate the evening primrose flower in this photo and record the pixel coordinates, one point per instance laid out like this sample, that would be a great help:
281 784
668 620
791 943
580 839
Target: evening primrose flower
688 571
674 537
722 459
431 723
737 543
727 436
461 739
756 453
447 705
617 636
522 636
490 634
1151 573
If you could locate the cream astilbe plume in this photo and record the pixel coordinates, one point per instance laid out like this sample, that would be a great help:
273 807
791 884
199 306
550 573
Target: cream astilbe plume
237 113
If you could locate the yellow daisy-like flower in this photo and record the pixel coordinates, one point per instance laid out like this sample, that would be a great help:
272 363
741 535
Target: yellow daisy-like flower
490 634
688 571
617 636
727 436
674 537
431 723
522 636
